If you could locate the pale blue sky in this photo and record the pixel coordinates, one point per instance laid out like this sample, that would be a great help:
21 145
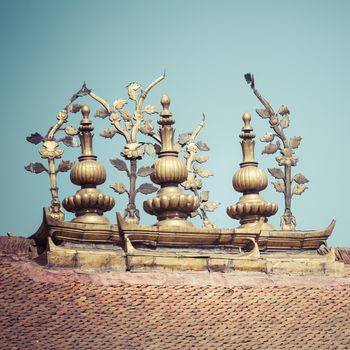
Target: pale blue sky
299 52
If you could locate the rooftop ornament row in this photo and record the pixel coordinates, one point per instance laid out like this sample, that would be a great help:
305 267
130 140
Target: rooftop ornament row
172 243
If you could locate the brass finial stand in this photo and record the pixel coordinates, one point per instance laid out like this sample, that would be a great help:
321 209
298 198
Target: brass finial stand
250 180
171 206
88 203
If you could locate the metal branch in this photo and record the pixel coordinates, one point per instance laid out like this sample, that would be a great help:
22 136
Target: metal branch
287 220
262 99
62 118
112 116
198 128
155 137
154 83
190 160
101 101
139 104
273 117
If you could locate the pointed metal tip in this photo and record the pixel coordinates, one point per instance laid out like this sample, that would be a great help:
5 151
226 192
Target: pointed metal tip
248 77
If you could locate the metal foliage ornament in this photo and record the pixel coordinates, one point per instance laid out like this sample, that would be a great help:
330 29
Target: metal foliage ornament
129 124
193 163
278 141
51 152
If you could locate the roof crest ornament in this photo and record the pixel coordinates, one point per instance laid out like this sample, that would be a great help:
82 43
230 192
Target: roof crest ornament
250 180
172 243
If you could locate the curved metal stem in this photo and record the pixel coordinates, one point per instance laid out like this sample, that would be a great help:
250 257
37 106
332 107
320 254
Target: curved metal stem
139 104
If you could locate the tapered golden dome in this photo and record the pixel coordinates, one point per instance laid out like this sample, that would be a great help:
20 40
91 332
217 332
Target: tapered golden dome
88 172
169 169
249 178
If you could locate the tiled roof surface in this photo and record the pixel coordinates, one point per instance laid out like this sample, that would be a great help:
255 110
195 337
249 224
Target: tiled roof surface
63 309
19 246
341 254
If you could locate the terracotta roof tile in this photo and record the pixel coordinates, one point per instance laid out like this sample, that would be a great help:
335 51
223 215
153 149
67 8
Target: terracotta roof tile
75 314
19 246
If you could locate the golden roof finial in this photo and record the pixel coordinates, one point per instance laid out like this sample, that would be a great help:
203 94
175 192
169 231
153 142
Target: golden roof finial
85 111
248 143
250 180
247 128
88 203
171 206
165 113
165 101
85 135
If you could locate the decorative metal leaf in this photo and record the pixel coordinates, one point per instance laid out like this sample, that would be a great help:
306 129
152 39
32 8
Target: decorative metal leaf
204 196
64 166
276 173
263 113
195 166
202 146
108 133
119 103
270 149
126 115
147 188
177 147
204 172
184 138
71 131
75 108
147 127
35 168
132 88
70 141
150 109
118 187
101 113
300 179
145 171
119 164
209 205
294 142
284 123
287 160
268 137
283 110
35 138
279 186
194 214
201 159
83 91
299 189
150 149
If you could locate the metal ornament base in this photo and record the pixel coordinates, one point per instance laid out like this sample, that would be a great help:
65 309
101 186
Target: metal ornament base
133 247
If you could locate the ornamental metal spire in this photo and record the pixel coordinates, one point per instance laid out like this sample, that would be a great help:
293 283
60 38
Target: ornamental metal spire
88 203
171 206
250 180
